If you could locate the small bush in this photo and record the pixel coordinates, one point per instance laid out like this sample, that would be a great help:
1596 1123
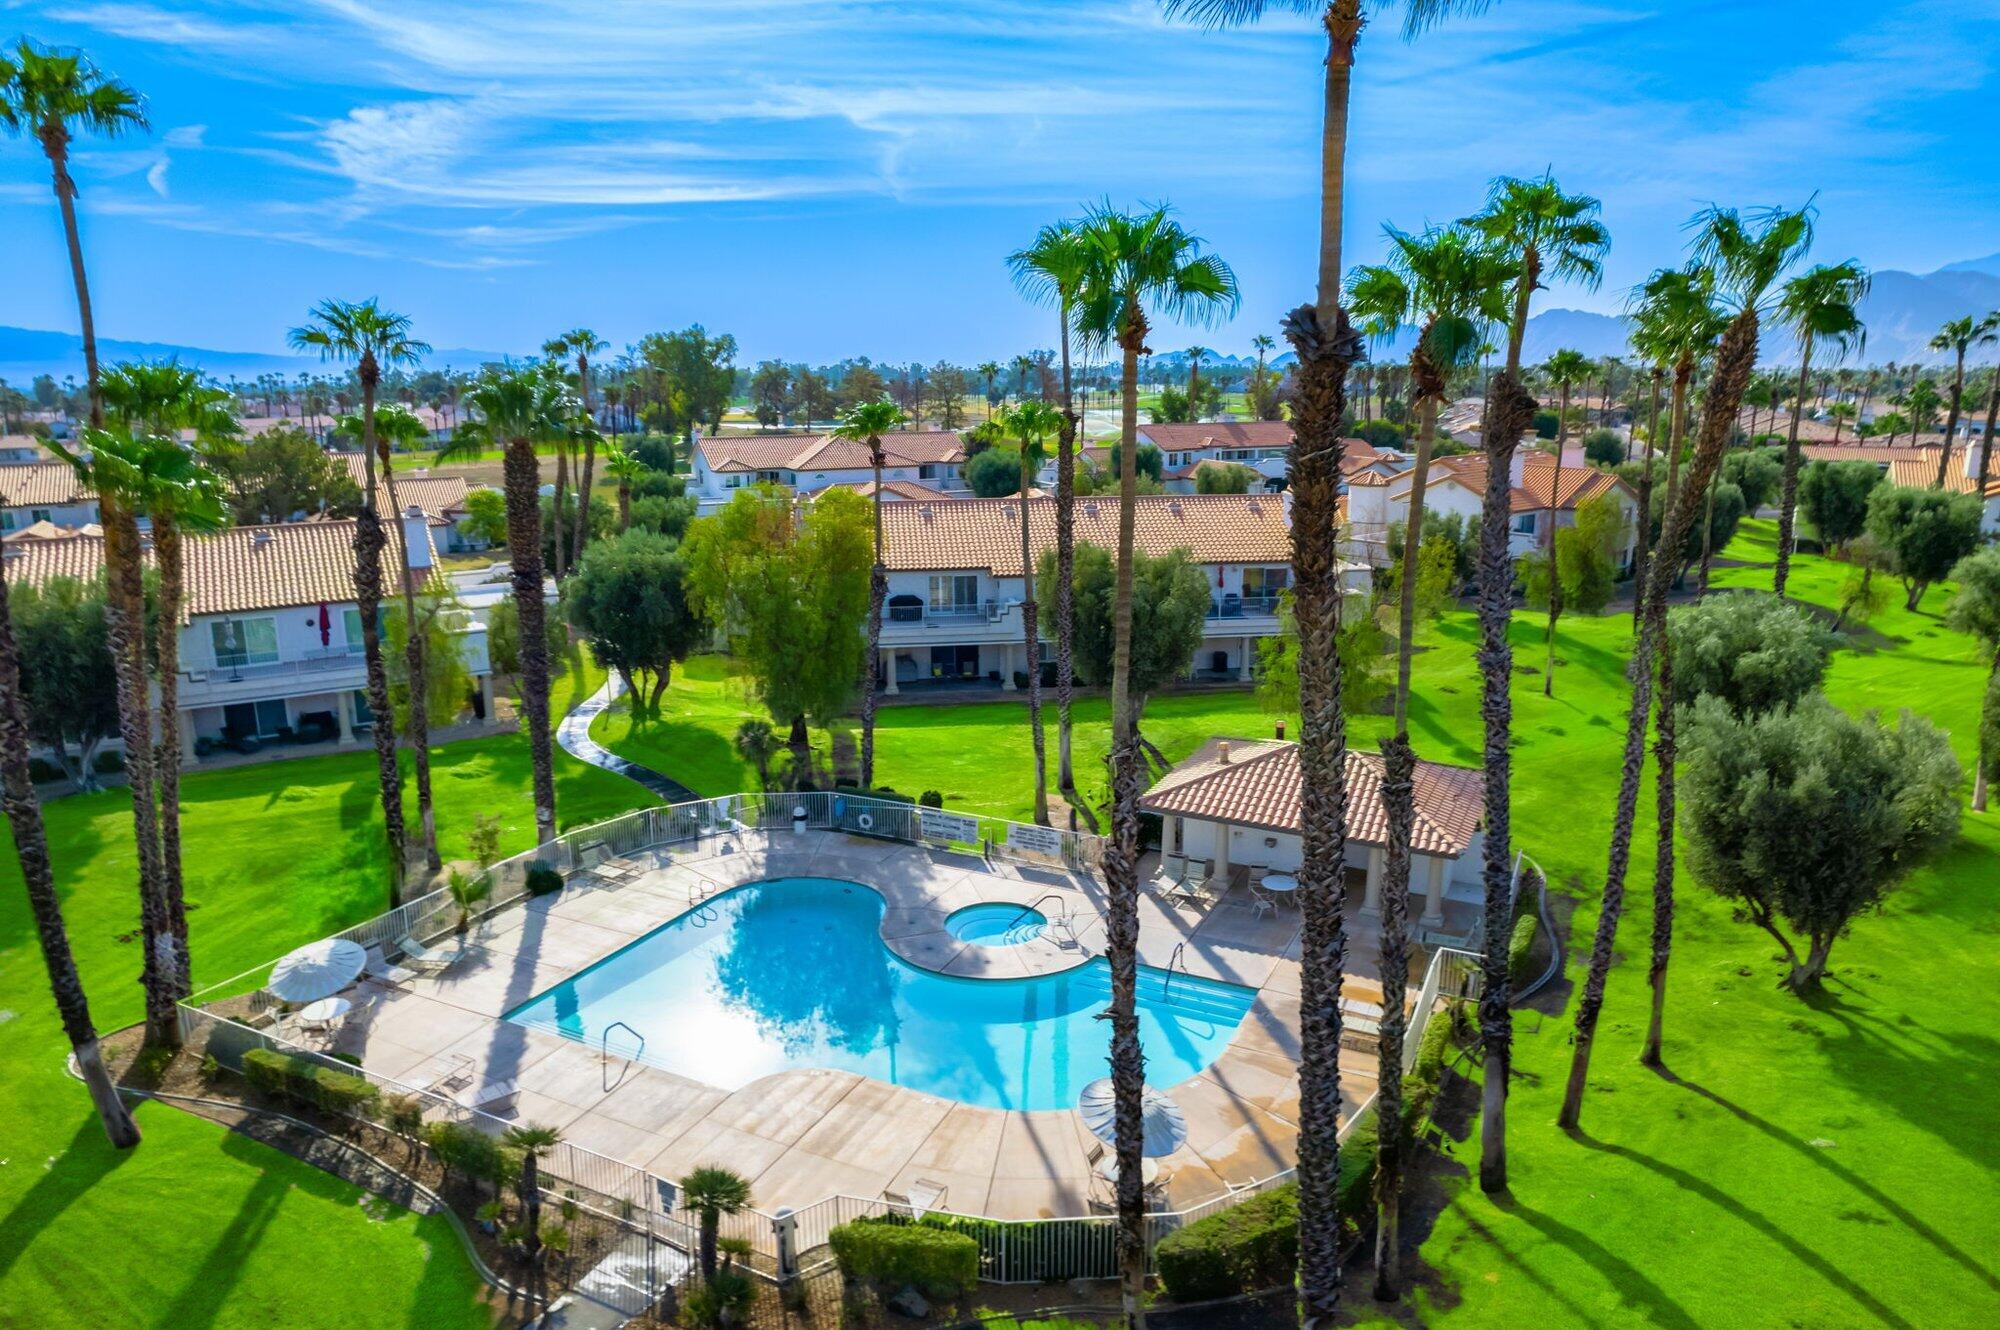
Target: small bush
543 880
891 1254
467 1150
931 798
1521 948
724 1300
300 1081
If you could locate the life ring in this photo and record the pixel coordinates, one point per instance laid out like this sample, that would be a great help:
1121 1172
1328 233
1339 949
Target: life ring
865 822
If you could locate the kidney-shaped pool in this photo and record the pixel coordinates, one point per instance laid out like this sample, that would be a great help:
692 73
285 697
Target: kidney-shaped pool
793 973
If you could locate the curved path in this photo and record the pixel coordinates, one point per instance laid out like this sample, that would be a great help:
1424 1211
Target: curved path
574 736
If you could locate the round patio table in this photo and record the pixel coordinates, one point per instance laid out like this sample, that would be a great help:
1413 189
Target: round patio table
324 1011
1279 882
1149 1169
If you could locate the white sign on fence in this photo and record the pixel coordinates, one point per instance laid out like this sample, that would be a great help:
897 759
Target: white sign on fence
1035 840
956 827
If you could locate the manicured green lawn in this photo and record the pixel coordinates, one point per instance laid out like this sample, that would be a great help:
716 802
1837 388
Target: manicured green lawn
198 1227
1824 1164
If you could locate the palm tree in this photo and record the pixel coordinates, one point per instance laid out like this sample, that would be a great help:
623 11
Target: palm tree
1450 282
1050 271
1564 367
1842 412
31 849
1195 355
519 408
179 493
1820 304
1030 424
467 890
1552 235
1989 334
1137 266
1675 323
369 337
712 1192
533 1141
55 95
624 468
582 344
1742 258
1326 347
866 423
989 370
1957 337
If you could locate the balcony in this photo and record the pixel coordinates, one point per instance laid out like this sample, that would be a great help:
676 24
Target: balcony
216 683
1234 606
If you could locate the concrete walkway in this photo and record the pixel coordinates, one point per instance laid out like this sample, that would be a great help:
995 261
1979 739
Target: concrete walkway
574 737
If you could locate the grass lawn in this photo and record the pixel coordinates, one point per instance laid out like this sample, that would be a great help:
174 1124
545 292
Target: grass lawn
1825 1164
198 1227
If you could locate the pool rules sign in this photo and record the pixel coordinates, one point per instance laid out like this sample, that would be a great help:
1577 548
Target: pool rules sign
951 828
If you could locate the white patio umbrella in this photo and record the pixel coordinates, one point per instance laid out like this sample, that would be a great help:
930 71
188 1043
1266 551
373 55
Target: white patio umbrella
1164 1126
316 970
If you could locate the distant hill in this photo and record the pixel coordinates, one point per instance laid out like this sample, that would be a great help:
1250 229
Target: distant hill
27 352
1989 264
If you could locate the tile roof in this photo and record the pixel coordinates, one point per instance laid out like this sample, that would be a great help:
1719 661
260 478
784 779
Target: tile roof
36 483
436 492
1219 434
230 572
1918 469
823 452
896 489
1258 786
1881 454
982 533
1538 480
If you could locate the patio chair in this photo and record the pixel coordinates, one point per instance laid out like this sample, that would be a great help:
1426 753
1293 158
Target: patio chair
492 1096
454 1072
382 971
1173 872
922 1195
423 959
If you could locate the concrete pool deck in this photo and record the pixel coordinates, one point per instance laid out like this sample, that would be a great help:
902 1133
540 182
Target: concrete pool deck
803 1135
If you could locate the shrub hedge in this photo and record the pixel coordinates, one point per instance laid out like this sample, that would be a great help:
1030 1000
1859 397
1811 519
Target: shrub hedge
543 880
1255 1244
891 1254
1521 947
299 1080
469 1151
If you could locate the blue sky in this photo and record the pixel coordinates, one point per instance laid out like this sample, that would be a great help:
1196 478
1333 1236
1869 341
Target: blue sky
835 177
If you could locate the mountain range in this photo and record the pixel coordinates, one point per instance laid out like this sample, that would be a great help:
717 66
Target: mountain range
1902 311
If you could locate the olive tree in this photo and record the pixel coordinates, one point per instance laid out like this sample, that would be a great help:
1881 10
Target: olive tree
1807 817
1754 651
1976 610
628 599
1925 532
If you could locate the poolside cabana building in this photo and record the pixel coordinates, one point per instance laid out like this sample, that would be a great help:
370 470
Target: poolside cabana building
1235 803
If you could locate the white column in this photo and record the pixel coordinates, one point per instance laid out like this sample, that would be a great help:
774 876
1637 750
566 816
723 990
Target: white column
486 697
1249 658
889 671
343 706
1434 891
1222 834
1006 668
1371 893
186 723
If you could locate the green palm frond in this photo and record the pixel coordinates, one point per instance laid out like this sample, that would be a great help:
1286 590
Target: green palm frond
348 330
47 86
1824 302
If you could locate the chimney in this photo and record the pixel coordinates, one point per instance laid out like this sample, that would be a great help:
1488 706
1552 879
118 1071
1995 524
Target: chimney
1281 731
418 528
1969 457
1222 753
1517 467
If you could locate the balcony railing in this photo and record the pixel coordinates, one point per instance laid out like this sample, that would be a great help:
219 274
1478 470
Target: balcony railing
313 662
1234 606
957 614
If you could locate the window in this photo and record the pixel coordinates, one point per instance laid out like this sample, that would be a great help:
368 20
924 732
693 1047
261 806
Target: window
1525 524
954 593
1262 585
244 641
351 619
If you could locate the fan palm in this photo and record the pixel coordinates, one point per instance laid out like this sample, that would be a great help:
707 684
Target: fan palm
1989 334
624 468
56 95
1741 258
1195 355
533 1141
712 1192
1819 305
988 370
1137 266
1957 337
580 344
866 423
1030 425
1564 368
369 337
31 850
519 408
1449 282
1050 271
1551 235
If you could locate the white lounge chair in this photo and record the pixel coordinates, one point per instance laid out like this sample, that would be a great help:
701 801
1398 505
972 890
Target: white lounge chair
922 1195
380 970
423 959
454 1072
491 1096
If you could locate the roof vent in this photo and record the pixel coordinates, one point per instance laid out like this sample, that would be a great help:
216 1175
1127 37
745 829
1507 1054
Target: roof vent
924 511
1090 509
260 538
1175 508
1256 508
1222 752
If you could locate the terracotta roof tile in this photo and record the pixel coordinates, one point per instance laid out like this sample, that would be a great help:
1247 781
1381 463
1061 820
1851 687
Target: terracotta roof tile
982 533
1258 786
823 452
1219 434
32 484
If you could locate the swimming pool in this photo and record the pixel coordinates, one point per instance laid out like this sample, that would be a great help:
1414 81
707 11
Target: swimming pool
995 925
793 973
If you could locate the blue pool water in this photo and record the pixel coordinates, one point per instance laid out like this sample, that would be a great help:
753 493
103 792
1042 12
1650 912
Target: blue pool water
793 973
995 925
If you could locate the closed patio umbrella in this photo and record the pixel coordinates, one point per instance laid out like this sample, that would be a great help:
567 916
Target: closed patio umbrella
316 970
1165 1128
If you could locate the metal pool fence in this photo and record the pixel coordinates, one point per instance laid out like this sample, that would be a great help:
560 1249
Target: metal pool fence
788 1243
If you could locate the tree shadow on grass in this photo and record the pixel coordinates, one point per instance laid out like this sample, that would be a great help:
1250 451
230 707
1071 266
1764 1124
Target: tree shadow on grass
210 1282
1715 1196
86 1161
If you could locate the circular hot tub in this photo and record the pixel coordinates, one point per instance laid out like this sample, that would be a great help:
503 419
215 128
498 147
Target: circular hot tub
995 924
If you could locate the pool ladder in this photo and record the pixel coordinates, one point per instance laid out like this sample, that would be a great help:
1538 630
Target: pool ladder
604 1043
1062 918
1179 957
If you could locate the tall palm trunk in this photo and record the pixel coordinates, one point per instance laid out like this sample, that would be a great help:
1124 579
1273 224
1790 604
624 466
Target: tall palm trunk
124 607
31 848
560 566
1399 763
1986 438
878 590
1030 632
55 143
1734 360
524 547
589 465
1066 573
1510 409
168 548
1665 754
414 653
1121 864
1326 346
1789 494
1950 420
1707 535
368 545
1555 564
1646 503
